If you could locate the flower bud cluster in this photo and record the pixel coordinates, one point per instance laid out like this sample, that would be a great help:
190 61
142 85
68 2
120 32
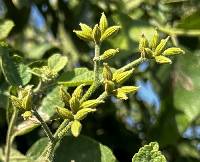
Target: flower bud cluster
23 101
156 49
74 110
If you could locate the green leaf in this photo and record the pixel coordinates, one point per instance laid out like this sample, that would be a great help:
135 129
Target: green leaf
76 77
149 153
5 28
191 21
186 90
15 73
57 62
47 110
15 156
81 149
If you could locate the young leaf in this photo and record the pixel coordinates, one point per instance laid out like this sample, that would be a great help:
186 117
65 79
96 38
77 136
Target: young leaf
76 77
5 28
149 153
57 62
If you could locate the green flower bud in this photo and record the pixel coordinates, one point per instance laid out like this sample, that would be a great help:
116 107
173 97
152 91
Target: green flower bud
74 104
162 60
109 32
120 94
128 89
83 35
27 101
109 54
160 48
109 86
107 73
173 51
103 23
16 102
96 34
86 29
148 53
154 41
81 114
91 103
26 115
64 113
121 77
143 43
65 96
76 128
78 92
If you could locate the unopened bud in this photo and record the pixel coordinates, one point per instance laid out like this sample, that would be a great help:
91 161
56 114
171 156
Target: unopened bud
91 103
148 53
74 104
64 113
65 96
109 86
96 34
107 73
154 41
109 32
26 115
83 35
161 46
78 92
162 60
121 77
76 128
103 23
143 43
81 114
109 54
173 51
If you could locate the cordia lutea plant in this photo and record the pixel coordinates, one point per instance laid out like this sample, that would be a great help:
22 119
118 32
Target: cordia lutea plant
79 103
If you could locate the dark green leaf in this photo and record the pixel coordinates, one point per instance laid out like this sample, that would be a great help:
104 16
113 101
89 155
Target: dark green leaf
81 149
15 73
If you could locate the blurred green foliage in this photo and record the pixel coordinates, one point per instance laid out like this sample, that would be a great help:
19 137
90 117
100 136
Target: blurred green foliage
122 126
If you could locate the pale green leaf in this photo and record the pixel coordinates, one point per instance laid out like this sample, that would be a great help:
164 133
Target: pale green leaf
149 153
57 62
5 28
76 77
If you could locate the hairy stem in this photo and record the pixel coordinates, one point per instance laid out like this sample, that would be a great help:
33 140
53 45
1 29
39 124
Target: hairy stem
9 135
132 64
96 82
96 63
44 126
